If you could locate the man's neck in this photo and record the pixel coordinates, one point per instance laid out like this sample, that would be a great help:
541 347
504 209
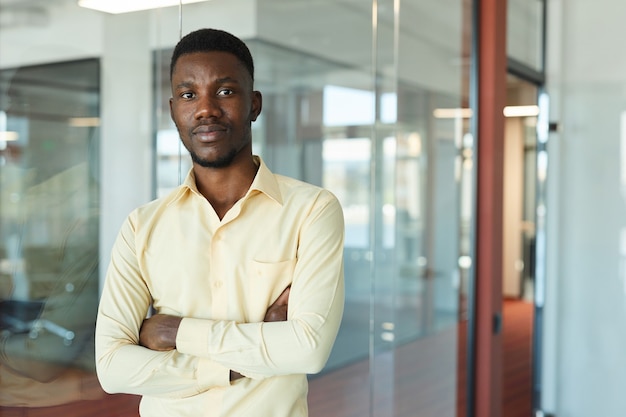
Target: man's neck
223 187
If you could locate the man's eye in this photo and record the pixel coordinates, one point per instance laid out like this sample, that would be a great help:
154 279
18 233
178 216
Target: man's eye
225 92
186 95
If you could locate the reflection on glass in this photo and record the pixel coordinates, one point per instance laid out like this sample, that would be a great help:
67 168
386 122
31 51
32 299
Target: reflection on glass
346 173
49 219
173 161
345 106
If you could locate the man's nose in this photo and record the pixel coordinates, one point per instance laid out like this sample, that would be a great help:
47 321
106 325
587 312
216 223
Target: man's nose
208 106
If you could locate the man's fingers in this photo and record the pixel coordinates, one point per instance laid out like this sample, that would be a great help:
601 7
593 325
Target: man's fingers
278 310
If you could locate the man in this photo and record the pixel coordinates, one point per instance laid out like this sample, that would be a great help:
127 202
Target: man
243 267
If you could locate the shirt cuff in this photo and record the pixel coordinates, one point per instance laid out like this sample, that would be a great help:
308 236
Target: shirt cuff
192 337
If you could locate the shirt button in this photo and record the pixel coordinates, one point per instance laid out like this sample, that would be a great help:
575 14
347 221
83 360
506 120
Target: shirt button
217 284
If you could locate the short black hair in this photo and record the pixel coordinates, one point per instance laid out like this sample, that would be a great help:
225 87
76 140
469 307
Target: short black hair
208 40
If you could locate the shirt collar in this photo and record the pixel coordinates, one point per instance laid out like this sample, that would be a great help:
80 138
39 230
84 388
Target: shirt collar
264 182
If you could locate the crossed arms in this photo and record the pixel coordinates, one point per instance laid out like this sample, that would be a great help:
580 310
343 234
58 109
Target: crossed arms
159 331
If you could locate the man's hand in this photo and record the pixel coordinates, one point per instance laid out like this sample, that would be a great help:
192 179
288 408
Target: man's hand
159 332
278 310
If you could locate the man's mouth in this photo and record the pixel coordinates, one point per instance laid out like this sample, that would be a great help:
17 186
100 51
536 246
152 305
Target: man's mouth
208 132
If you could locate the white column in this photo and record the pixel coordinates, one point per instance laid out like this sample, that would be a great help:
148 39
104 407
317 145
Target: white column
126 149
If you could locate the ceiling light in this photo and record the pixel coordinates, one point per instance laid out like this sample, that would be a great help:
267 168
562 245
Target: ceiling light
5 134
125 6
453 113
521 111
8 136
84 121
509 111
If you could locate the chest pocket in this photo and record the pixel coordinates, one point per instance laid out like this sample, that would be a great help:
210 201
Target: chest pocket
267 282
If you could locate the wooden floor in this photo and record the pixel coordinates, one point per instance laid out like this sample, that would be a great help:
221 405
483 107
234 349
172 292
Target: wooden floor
424 378
517 359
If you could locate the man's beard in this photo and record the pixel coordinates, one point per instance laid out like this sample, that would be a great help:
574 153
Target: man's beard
221 162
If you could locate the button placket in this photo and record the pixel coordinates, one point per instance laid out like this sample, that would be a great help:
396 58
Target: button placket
219 299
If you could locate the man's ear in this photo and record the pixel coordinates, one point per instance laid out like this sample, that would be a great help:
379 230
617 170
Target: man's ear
171 112
257 105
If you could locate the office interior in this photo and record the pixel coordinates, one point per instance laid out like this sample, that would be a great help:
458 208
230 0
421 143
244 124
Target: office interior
453 212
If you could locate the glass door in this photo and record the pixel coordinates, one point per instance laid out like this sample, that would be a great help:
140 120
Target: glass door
520 237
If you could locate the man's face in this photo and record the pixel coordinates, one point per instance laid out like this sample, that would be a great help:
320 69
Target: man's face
213 106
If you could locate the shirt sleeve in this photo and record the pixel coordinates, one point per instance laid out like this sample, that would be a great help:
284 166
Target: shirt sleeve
122 365
302 344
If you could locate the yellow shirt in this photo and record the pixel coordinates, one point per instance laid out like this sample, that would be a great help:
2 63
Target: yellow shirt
221 276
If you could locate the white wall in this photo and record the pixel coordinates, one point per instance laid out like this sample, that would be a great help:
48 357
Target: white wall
586 300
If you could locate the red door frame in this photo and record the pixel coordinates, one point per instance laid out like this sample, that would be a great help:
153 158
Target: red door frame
492 70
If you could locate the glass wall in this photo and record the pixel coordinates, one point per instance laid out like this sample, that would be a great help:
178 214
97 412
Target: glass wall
365 98
49 238
525 32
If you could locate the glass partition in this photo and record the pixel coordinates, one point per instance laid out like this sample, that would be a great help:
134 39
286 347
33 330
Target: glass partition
365 126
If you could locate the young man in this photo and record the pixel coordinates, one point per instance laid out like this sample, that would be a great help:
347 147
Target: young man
243 267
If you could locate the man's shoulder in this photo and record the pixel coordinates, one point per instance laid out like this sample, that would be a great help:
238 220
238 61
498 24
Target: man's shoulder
295 189
158 203
293 185
292 182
